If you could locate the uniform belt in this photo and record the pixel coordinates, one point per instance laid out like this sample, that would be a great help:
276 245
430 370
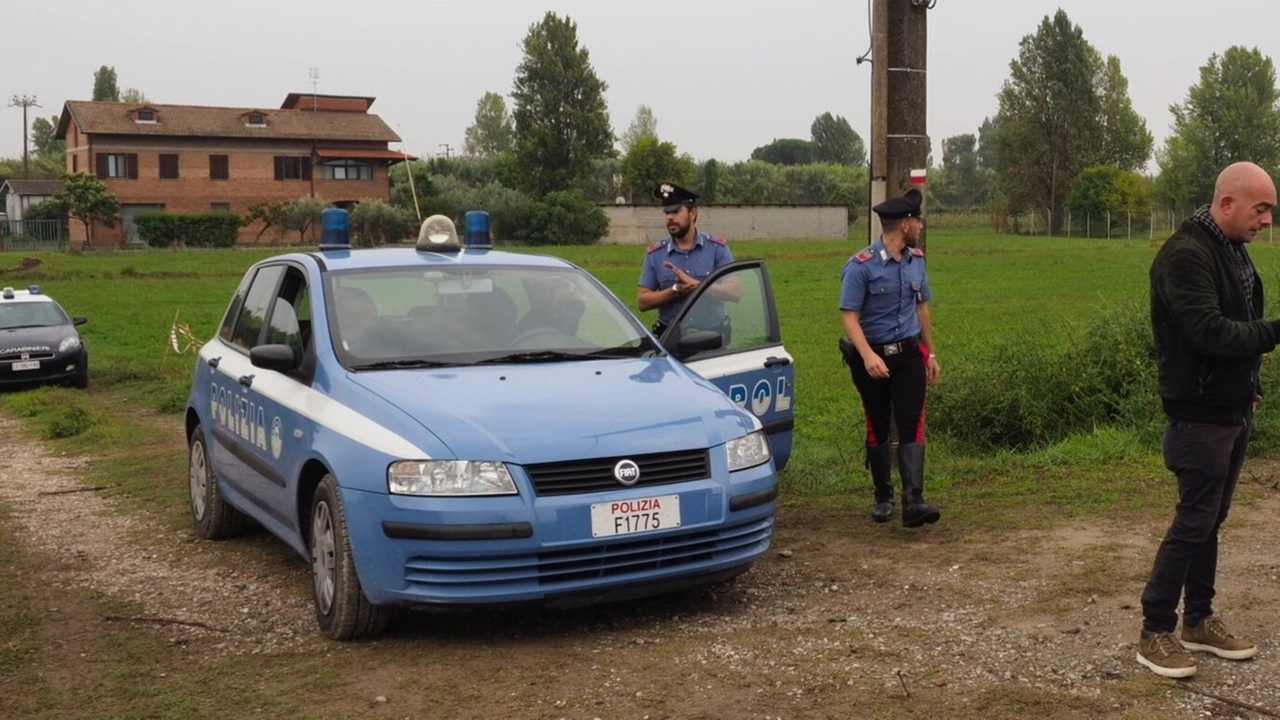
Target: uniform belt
895 348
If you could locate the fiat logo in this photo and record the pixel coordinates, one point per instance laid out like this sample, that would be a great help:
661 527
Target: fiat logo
627 472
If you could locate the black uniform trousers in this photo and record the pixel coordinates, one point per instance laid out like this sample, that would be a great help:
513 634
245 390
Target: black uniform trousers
1207 460
901 396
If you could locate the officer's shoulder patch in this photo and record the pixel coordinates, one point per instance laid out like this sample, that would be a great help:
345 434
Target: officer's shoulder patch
865 255
917 252
654 246
719 241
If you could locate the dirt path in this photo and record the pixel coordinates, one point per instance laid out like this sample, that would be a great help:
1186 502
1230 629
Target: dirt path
842 619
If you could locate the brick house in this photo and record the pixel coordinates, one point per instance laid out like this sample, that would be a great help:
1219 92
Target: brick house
185 158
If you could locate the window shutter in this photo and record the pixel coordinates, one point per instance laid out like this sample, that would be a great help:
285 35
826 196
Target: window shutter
306 167
279 168
133 166
101 160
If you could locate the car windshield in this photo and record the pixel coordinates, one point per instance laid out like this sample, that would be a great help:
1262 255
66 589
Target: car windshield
31 314
390 317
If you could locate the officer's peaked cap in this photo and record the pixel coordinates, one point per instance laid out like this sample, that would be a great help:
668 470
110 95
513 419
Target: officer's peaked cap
673 196
907 206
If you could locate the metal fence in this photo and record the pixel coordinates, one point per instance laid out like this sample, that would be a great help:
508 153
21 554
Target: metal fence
1156 225
33 235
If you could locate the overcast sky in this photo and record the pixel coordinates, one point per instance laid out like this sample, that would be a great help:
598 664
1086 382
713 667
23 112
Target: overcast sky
721 76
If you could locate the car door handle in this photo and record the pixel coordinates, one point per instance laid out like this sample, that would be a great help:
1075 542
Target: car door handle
246 380
776 362
213 362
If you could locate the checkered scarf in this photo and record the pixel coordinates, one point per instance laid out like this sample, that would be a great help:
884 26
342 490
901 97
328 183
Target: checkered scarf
1244 265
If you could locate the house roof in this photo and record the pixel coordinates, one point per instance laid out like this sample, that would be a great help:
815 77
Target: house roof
114 118
31 187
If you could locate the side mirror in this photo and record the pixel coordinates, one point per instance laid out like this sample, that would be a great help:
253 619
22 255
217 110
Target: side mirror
274 357
79 320
697 341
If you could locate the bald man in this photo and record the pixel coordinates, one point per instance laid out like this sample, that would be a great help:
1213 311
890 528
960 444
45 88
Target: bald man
1206 316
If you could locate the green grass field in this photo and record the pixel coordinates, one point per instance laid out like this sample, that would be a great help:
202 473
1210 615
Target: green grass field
993 297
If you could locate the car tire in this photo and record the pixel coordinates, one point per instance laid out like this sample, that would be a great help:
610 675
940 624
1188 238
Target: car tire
214 518
81 378
342 610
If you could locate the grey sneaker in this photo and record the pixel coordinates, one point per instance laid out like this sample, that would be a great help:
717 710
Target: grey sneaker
1165 656
1211 635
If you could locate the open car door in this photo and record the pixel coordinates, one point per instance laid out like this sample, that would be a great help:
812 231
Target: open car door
727 332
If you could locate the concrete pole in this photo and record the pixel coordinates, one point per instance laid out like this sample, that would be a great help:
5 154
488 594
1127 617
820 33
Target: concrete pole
899 141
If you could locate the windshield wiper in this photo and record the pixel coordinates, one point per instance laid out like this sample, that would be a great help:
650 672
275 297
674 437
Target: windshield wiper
403 364
535 356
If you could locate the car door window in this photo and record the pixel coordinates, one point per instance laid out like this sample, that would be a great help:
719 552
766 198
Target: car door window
738 306
252 314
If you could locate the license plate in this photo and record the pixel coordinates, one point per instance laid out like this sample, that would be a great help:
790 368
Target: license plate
27 365
625 517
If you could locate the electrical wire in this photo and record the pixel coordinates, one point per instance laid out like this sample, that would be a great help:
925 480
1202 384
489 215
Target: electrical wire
864 57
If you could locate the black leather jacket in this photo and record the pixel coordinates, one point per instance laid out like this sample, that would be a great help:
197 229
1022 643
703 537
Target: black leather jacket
1208 350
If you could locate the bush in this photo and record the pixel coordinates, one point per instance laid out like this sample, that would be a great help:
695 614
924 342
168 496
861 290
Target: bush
563 217
51 209
1030 394
374 222
197 229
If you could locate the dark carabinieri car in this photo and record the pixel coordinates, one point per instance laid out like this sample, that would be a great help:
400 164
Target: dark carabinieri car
39 342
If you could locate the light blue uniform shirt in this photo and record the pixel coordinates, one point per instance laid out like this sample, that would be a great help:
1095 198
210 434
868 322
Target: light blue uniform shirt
706 254
885 292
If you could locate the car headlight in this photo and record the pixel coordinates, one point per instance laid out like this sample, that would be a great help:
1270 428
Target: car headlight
450 477
69 344
748 451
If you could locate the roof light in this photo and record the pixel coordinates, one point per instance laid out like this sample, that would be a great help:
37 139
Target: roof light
8 293
335 229
477 224
33 289
438 235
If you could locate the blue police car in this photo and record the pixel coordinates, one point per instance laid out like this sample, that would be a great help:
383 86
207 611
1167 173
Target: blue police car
453 425
39 342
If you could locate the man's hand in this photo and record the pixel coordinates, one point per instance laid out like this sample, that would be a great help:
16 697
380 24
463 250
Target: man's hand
876 367
684 281
932 369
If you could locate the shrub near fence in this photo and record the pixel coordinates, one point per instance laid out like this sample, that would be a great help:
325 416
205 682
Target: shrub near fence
198 229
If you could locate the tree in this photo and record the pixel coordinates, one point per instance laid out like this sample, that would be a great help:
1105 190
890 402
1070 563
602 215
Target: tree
710 181
104 85
643 125
650 162
271 213
787 151
1126 142
1052 123
491 132
44 139
88 200
835 141
962 182
561 119
1232 114
1108 191
134 96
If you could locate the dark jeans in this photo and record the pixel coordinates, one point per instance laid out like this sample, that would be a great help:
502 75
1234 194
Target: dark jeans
1207 461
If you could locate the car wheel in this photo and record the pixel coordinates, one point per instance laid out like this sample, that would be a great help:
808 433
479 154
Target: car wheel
342 610
214 518
81 379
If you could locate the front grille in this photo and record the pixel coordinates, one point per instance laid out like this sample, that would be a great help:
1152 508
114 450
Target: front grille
584 476
17 357
566 570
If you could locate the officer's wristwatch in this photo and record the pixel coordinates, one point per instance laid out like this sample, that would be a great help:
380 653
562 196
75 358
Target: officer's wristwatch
676 288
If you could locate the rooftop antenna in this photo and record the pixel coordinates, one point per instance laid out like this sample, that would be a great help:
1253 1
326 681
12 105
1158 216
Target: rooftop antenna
314 74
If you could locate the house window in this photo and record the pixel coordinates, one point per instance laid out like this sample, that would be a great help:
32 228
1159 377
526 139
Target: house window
117 165
348 170
219 167
293 168
168 166
146 116
220 207
75 163
257 119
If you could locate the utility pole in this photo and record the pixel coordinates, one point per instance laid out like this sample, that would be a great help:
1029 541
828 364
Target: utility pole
446 149
24 102
899 139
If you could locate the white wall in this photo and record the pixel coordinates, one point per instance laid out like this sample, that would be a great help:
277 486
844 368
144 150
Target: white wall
644 224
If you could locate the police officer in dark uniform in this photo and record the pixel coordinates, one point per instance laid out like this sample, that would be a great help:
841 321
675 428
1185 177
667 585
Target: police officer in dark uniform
675 266
888 345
